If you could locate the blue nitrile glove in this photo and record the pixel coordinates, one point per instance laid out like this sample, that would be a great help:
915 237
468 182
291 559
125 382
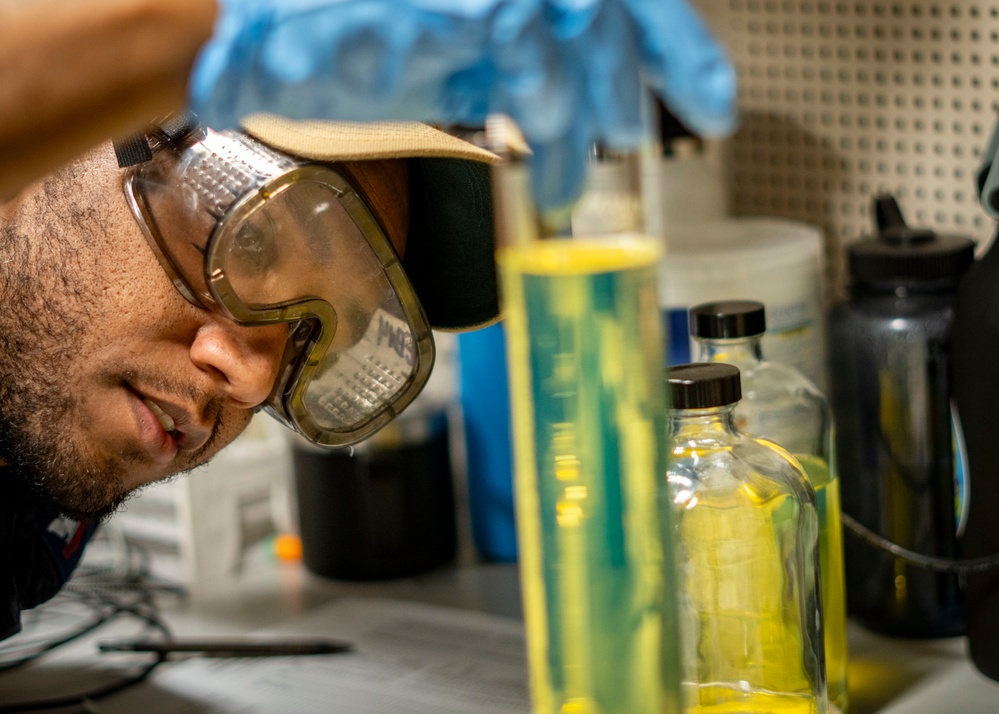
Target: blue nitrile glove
569 72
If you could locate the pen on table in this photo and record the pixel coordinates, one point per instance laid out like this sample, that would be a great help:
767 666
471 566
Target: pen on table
229 648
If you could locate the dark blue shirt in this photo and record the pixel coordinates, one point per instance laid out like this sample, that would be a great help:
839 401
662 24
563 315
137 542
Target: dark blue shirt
39 548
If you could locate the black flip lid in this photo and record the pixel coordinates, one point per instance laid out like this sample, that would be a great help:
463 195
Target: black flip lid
903 255
703 385
728 319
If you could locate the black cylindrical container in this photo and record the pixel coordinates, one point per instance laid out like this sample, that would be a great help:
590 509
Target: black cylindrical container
976 392
384 509
889 370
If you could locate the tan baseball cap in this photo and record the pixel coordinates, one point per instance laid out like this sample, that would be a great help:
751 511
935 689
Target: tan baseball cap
450 246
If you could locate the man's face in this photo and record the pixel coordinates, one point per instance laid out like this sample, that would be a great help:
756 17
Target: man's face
99 354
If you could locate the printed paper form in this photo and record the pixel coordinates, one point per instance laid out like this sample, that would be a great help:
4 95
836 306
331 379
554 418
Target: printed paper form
408 658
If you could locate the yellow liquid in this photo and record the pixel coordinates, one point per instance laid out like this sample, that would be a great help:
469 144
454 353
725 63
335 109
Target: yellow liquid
833 582
585 359
746 597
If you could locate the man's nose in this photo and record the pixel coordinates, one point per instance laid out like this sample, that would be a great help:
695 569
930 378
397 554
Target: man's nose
244 359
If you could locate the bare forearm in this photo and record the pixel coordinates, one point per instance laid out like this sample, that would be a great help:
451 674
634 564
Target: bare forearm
74 73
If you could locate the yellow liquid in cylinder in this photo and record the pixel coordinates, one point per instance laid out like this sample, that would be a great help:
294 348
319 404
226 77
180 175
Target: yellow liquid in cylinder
746 636
587 396
833 579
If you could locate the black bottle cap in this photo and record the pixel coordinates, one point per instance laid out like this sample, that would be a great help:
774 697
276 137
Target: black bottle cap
670 126
703 385
675 137
901 254
727 319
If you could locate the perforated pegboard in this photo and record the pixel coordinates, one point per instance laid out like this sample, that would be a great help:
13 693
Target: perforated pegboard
841 100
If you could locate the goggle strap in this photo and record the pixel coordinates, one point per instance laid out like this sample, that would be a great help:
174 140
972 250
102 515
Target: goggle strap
132 150
177 127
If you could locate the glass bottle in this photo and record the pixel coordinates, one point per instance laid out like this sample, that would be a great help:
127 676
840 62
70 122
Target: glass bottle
584 348
781 404
747 554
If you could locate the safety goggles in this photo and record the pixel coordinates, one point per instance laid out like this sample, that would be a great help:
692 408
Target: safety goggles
264 238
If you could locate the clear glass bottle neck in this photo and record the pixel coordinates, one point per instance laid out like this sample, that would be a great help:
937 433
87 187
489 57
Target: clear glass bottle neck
712 422
735 350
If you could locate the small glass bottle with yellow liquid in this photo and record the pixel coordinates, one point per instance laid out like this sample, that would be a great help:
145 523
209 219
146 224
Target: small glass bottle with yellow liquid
747 556
584 347
781 404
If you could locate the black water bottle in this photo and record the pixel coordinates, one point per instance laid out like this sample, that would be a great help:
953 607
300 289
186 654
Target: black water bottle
889 370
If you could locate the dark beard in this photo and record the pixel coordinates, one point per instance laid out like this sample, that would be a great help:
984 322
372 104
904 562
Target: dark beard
54 285
53 468
45 305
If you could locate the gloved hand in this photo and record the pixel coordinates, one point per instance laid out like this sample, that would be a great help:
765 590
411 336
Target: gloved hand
569 72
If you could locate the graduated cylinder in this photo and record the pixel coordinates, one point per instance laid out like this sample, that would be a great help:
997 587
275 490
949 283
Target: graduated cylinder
587 405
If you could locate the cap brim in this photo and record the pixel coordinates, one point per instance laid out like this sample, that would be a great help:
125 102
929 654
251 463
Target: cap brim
357 141
450 248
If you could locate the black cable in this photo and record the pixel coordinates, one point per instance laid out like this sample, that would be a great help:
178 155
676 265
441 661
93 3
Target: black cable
84 697
47 646
87 587
131 594
151 618
929 562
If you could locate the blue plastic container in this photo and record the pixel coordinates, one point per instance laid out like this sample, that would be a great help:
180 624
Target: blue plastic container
485 403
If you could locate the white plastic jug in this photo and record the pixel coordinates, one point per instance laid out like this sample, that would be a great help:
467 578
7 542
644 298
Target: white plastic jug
775 261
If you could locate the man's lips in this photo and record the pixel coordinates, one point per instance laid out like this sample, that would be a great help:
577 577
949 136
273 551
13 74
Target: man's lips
166 421
161 446
166 427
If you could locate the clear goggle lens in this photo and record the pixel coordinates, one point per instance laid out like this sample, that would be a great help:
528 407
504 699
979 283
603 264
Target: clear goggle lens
295 244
